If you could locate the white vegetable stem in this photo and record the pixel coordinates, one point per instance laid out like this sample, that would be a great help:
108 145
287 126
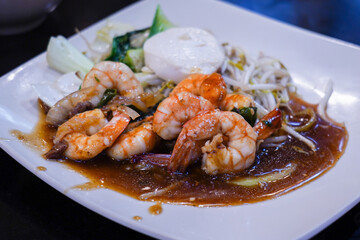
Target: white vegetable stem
64 57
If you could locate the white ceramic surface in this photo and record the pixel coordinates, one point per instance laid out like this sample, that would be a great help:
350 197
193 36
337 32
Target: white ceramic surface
309 57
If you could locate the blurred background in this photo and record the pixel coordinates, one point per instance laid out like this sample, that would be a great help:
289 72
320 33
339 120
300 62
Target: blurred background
31 209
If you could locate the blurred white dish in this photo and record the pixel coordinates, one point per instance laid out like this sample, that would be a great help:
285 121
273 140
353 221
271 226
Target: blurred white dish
17 16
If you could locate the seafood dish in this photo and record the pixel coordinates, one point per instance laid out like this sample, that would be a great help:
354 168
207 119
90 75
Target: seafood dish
169 114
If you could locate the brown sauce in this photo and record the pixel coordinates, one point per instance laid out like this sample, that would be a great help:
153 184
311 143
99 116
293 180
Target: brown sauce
88 186
155 209
137 218
199 189
41 168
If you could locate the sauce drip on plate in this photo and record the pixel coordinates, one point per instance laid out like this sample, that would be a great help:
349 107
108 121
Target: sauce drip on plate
41 168
155 209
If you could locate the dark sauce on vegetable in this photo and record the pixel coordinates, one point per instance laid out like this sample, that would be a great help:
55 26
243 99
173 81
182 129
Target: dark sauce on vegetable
148 182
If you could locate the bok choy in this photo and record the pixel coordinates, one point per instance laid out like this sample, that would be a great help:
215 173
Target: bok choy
62 56
127 49
160 22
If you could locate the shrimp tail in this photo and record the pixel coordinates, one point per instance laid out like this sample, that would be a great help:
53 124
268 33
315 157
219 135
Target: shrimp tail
180 159
186 152
268 124
213 88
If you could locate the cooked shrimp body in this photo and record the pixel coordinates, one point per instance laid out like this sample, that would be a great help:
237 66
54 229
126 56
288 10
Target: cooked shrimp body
238 101
114 75
190 84
230 143
87 134
175 110
211 87
59 113
139 139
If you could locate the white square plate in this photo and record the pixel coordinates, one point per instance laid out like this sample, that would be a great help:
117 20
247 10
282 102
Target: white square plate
308 56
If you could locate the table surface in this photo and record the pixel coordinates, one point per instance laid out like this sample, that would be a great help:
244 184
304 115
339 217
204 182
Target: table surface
29 208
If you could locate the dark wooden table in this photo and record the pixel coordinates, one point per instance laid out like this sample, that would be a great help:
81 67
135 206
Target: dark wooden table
30 209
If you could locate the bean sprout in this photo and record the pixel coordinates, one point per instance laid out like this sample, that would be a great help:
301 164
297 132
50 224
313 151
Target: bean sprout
324 101
267 80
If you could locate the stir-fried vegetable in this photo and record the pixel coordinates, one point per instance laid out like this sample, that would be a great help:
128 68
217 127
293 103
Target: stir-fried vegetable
248 113
265 78
52 92
62 56
266 178
108 95
122 44
308 112
160 22
135 59
324 101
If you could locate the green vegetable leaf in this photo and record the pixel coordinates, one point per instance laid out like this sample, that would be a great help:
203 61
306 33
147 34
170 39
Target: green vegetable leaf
135 59
122 44
160 22
62 56
143 114
108 95
248 113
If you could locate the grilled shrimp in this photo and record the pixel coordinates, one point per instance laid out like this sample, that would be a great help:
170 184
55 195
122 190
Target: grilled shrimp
238 101
139 139
211 87
230 143
175 110
114 75
87 134
59 113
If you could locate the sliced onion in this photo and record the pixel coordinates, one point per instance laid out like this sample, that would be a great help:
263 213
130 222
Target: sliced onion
324 101
131 112
159 192
264 179
297 135
310 112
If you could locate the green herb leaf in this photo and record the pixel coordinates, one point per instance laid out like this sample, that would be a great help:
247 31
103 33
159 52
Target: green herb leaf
160 22
143 115
108 95
135 59
248 113
122 44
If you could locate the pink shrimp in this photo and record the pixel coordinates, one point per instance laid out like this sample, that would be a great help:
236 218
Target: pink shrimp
114 75
230 143
238 101
226 142
211 87
87 134
175 110
138 139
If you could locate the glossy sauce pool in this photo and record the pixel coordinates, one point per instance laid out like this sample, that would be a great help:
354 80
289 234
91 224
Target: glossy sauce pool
147 182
